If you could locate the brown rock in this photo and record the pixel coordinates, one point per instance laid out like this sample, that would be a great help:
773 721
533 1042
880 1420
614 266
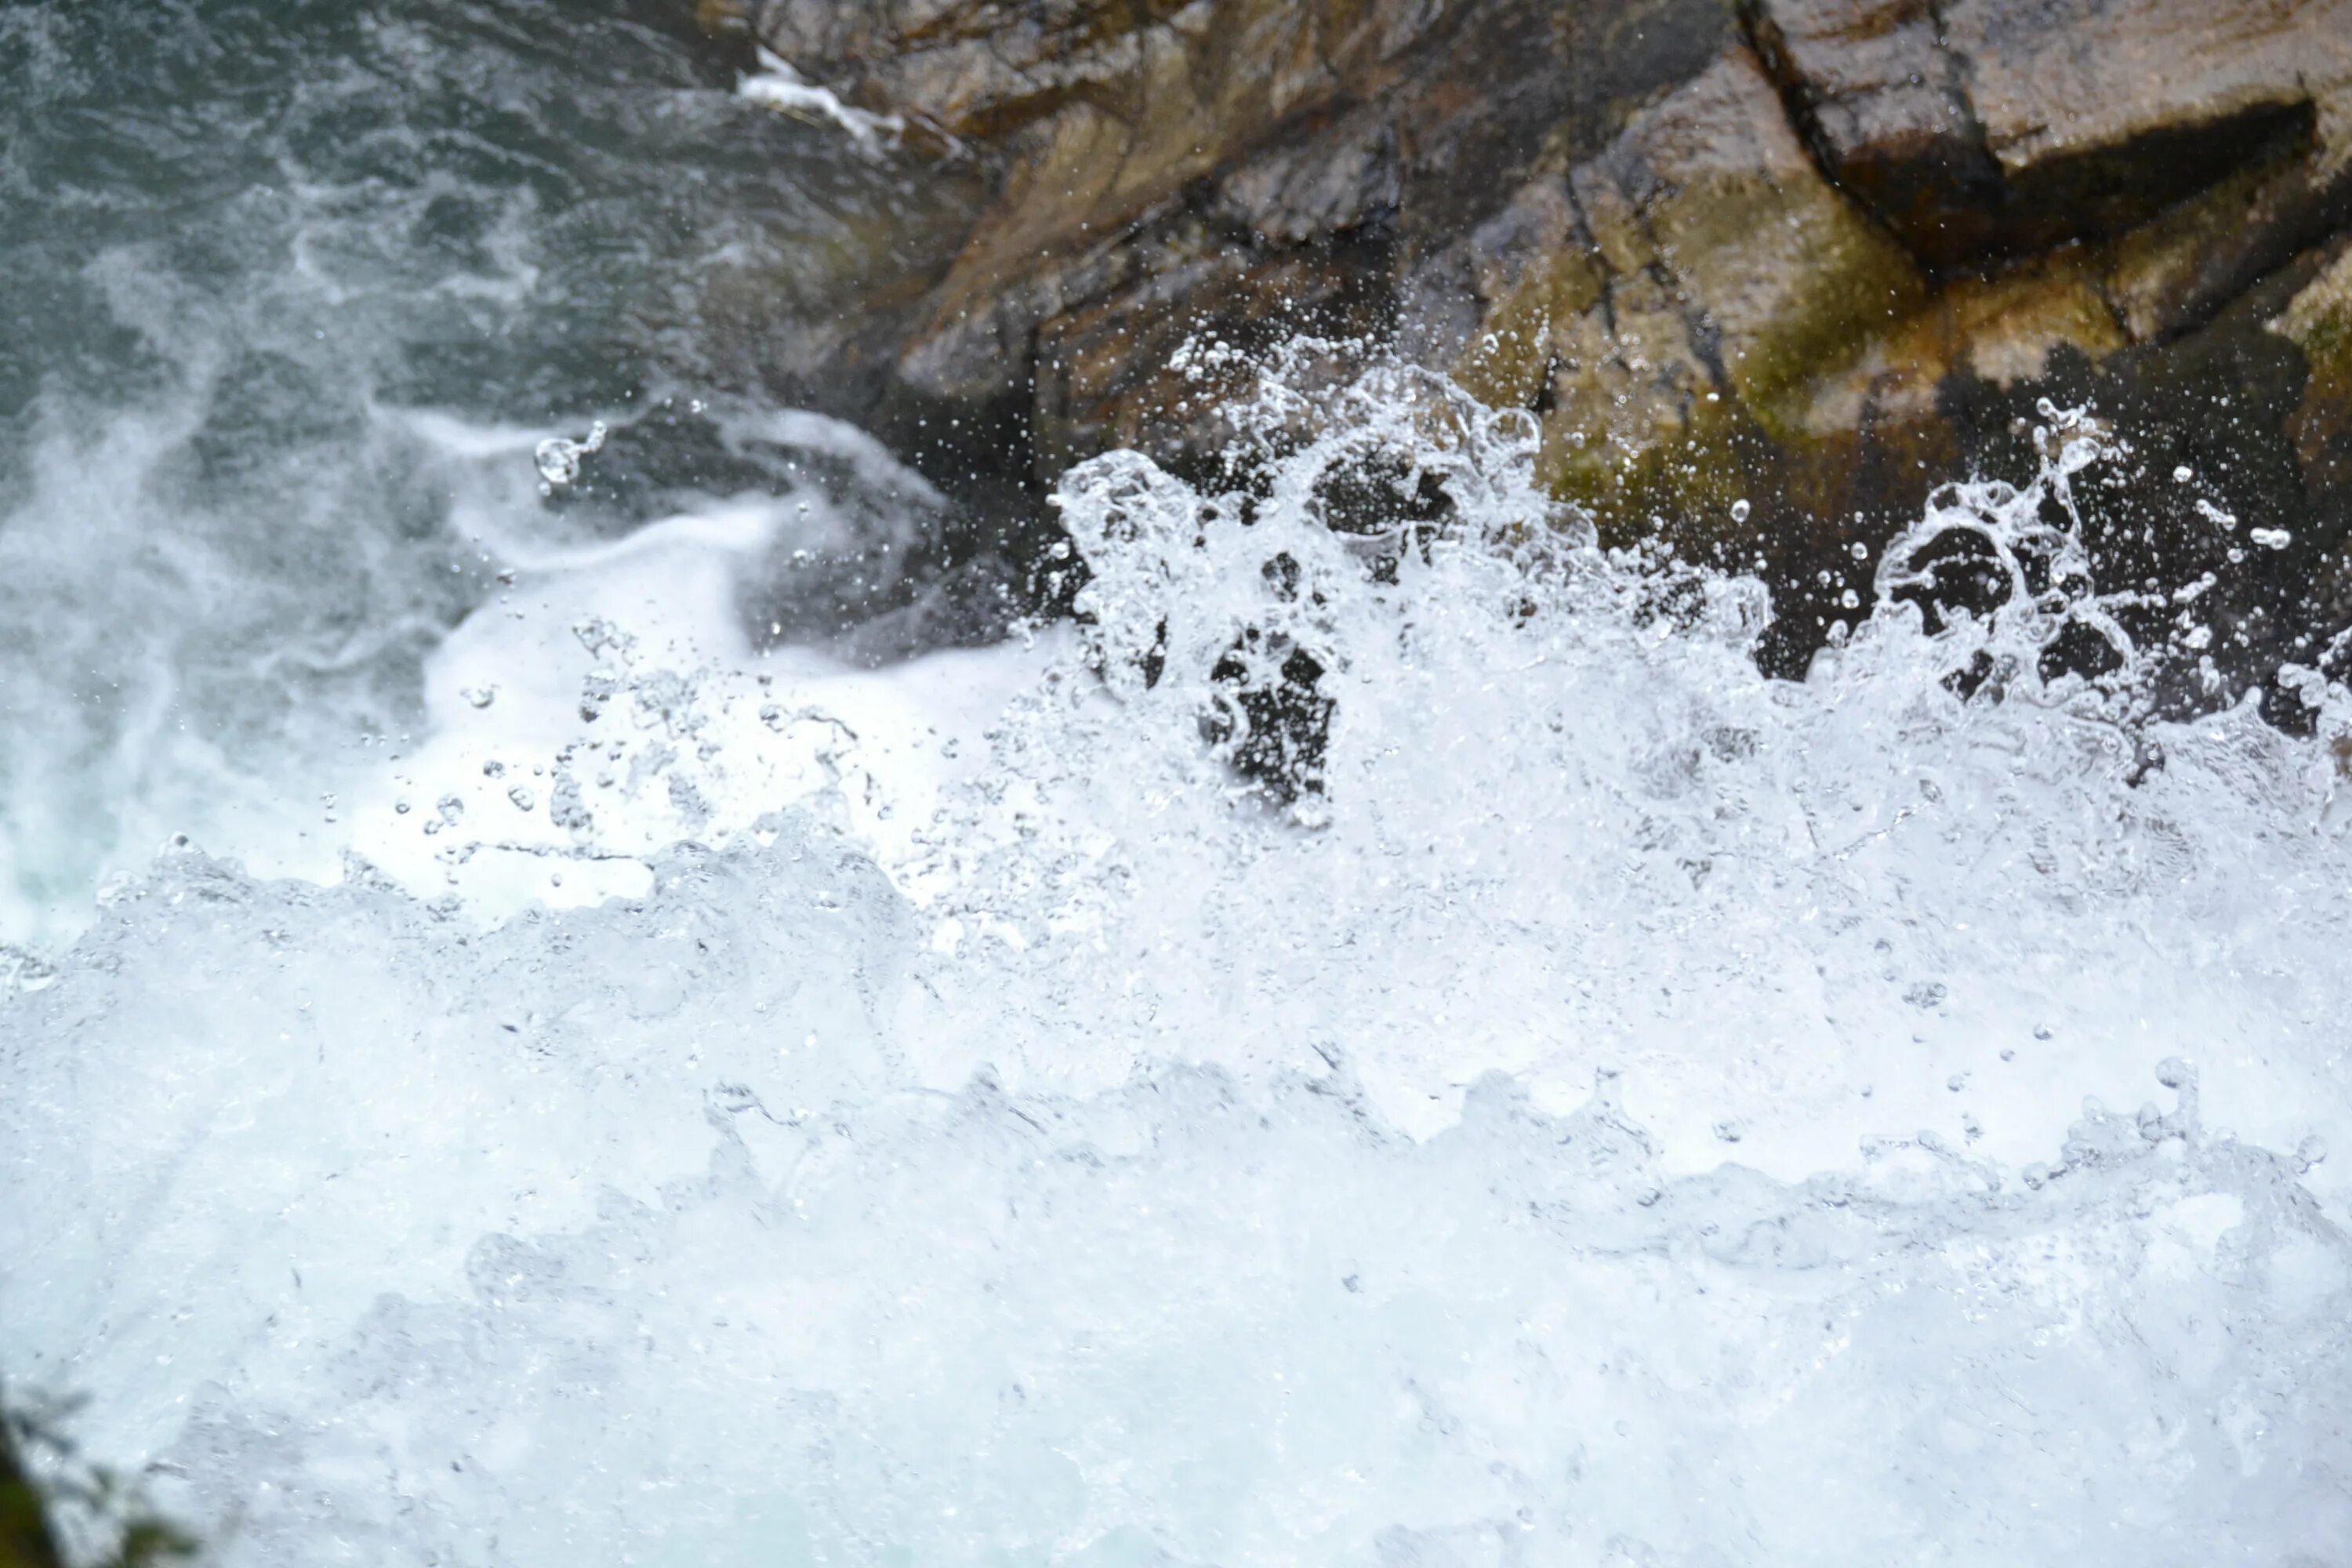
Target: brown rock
2177 272
1811 253
2318 321
2054 81
1980 128
1885 105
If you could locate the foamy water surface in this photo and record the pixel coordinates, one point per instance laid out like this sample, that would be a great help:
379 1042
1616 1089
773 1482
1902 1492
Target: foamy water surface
1632 1110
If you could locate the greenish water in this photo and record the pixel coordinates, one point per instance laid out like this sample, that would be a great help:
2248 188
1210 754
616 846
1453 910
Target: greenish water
247 242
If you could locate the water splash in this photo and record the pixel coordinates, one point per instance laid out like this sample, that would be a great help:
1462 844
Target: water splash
1406 1049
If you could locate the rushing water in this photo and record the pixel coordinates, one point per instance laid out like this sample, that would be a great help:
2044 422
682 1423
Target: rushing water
1570 1100
290 284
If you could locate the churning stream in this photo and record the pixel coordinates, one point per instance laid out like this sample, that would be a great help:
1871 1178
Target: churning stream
616 1006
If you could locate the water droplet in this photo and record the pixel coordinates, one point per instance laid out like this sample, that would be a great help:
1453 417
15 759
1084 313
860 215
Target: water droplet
558 459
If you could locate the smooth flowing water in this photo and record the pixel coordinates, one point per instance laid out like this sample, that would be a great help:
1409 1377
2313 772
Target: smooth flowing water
696 1095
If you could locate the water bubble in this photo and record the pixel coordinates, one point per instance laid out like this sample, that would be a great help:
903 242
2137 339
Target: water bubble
2270 538
522 798
2311 1152
1861 552
557 459
479 696
1740 510
2183 474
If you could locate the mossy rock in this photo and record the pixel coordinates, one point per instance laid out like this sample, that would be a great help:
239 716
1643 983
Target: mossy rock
2318 321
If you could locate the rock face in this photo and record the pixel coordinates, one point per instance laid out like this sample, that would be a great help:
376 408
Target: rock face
1812 253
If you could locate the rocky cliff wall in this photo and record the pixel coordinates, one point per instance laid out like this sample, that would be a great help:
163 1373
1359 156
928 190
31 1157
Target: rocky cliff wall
1814 254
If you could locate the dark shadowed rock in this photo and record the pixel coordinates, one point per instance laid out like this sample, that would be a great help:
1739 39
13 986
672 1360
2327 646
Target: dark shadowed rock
1981 128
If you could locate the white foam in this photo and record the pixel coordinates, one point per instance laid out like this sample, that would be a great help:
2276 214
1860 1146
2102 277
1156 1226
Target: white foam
777 86
1633 1111
609 702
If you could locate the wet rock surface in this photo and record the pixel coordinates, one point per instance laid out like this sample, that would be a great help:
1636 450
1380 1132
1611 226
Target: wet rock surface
1813 255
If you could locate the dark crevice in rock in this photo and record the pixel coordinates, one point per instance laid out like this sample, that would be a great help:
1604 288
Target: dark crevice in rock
1798 100
2102 192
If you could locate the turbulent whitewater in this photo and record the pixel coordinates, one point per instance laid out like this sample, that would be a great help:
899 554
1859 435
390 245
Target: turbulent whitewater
656 1035
1613 1107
